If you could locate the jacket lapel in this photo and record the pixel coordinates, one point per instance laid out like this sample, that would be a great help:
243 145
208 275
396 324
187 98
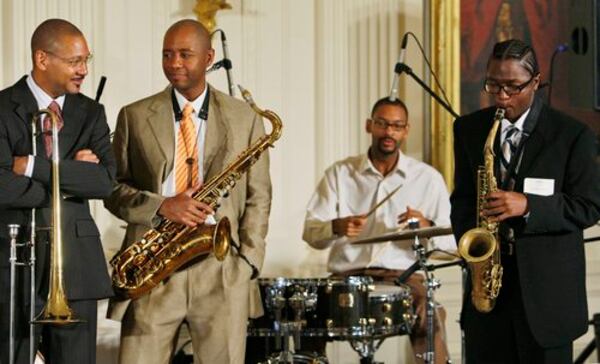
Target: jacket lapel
25 108
216 134
536 128
25 103
73 115
160 119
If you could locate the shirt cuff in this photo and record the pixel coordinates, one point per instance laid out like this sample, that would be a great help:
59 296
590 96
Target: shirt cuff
29 168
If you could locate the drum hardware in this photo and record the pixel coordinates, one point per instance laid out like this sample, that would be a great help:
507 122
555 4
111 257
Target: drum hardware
593 344
431 284
289 325
349 309
366 349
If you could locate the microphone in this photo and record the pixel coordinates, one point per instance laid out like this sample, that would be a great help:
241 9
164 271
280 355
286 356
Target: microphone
394 90
227 64
100 88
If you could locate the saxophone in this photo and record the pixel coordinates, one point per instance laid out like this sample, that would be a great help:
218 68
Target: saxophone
480 246
169 246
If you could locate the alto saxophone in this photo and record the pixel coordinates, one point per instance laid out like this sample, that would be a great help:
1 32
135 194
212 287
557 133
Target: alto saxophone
164 249
480 247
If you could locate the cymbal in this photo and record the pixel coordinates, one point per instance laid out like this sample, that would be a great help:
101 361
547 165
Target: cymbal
427 232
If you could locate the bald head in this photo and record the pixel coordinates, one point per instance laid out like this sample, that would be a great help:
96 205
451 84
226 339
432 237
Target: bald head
191 27
47 36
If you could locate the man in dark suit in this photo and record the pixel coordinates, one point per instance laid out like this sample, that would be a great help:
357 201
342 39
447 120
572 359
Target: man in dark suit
548 192
60 55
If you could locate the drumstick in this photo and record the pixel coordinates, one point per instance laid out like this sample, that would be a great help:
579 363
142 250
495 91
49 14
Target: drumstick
371 211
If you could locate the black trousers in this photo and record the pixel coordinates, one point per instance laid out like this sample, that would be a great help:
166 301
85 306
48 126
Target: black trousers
503 335
73 343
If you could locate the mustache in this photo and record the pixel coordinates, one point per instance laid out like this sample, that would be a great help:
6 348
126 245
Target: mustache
388 139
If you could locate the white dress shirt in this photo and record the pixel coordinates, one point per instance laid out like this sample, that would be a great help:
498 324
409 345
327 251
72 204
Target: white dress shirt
352 187
43 100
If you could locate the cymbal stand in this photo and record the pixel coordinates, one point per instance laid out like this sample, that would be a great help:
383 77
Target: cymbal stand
431 284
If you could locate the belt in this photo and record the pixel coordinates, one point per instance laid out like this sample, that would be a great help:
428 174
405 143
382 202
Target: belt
507 248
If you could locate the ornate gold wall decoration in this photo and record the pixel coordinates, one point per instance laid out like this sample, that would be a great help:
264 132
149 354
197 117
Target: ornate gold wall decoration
445 61
206 10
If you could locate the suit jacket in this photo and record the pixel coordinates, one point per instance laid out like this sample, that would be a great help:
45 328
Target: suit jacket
144 145
549 243
85 127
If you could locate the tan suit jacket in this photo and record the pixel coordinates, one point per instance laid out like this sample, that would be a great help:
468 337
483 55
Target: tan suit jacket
144 145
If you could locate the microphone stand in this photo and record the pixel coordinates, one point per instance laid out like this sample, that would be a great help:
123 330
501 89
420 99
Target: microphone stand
224 63
403 68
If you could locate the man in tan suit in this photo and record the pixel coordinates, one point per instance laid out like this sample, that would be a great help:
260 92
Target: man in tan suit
153 152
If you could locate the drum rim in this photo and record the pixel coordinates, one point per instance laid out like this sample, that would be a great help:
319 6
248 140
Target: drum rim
285 281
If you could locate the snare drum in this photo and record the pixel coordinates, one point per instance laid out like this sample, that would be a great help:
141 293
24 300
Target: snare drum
390 311
343 305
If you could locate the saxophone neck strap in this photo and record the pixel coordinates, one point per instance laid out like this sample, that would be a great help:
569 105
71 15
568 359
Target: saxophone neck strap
202 114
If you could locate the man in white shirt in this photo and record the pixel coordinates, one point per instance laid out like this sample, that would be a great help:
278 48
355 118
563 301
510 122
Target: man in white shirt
337 212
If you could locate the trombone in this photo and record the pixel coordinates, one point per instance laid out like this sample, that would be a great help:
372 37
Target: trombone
57 310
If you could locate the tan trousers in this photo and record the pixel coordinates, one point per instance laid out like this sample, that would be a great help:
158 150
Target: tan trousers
215 315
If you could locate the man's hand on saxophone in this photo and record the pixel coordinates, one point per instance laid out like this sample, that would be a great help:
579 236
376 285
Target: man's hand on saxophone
502 205
183 209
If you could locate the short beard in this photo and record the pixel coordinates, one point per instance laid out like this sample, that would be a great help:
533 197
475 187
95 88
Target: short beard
386 153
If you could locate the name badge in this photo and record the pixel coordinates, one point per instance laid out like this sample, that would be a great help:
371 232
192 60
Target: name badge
539 186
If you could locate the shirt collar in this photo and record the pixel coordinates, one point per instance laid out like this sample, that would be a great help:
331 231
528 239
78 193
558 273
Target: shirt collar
41 97
196 104
401 166
517 124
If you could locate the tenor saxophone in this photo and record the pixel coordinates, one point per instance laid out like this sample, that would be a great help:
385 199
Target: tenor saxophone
164 249
480 246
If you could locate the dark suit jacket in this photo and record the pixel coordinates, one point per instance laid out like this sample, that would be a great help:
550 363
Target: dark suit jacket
85 271
549 244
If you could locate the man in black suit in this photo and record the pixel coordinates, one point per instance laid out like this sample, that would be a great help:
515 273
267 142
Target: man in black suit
60 55
548 192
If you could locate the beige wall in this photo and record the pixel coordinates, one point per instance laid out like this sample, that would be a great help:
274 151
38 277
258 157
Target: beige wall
319 64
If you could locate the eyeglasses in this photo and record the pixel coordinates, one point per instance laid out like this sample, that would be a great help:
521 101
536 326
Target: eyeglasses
384 124
74 62
491 87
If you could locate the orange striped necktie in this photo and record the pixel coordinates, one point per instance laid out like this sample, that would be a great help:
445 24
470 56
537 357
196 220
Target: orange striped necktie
186 164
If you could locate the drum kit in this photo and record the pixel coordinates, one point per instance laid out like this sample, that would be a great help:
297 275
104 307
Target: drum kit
352 309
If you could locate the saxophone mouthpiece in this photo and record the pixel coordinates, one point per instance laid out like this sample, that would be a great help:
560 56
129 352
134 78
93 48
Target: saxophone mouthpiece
246 95
500 113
